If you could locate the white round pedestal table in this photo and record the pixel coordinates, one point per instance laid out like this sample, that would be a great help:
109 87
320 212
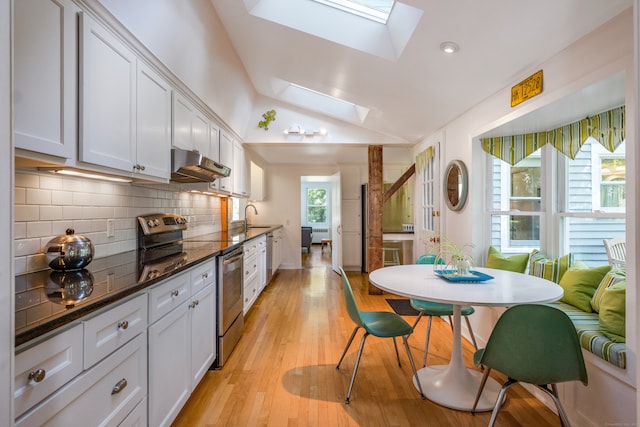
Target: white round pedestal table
454 385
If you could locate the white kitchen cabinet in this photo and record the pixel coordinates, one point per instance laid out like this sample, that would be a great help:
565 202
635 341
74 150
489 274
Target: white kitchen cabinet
214 141
107 98
181 343
226 158
153 124
183 112
276 250
44 78
250 274
168 295
169 370
262 262
45 367
203 344
102 395
108 331
240 171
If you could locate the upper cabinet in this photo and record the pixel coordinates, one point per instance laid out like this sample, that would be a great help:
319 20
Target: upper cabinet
226 158
125 107
257 182
240 171
45 64
192 129
153 124
107 98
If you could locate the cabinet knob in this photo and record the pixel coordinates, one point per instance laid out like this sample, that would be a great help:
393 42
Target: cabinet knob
141 167
175 293
37 375
120 385
205 275
124 325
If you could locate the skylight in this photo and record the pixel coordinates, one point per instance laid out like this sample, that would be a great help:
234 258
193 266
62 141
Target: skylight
376 10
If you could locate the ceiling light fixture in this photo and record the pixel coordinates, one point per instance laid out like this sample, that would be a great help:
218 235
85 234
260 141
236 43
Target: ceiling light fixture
299 130
449 47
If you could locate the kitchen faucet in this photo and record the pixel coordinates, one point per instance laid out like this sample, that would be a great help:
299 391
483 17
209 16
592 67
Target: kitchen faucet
246 220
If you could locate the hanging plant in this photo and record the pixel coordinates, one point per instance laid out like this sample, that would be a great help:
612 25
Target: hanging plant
269 116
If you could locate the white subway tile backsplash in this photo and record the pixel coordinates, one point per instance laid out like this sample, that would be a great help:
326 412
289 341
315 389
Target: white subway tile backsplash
46 205
50 213
27 180
38 229
24 213
19 230
37 196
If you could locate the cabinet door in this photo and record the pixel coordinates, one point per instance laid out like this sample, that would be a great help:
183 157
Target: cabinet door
200 134
44 85
153 124
107 98
214 150
183 111
202 311
169 371
226 158
239 171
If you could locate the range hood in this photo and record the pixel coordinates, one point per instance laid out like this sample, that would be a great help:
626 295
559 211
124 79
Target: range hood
191 166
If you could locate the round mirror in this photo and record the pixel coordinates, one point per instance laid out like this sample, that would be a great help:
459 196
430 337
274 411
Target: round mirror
456 184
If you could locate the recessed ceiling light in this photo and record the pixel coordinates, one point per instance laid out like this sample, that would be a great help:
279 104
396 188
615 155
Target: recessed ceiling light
449 47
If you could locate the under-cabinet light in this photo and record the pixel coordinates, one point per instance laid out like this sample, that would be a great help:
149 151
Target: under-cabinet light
82 174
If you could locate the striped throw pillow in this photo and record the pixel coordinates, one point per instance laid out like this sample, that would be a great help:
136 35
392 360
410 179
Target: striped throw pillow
614 276
551 269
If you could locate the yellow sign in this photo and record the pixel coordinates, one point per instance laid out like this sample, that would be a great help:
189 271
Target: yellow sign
528 88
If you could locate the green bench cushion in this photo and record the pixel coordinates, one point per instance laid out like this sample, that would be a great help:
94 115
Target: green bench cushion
591 338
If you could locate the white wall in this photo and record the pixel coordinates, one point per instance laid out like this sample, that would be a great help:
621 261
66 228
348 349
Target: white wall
6 212
599 55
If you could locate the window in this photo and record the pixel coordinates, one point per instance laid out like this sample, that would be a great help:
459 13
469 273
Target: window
586 205
376 10
316 206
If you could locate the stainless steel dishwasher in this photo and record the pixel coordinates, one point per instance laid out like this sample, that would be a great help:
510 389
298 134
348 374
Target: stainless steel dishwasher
230 290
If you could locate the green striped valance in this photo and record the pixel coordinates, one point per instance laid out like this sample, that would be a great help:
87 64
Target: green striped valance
423 158
607 127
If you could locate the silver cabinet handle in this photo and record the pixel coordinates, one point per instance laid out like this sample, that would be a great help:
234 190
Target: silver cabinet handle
175 293
205 275
37 375
120 385
194 304
123 325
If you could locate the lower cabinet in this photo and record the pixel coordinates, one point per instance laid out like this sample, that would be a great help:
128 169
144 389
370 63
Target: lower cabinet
102 395
110 369
181 345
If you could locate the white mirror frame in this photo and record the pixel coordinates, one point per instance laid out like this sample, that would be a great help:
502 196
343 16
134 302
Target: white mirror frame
462 184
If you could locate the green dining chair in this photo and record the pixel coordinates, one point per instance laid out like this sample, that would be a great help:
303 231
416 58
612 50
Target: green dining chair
431 308
381 324
534 344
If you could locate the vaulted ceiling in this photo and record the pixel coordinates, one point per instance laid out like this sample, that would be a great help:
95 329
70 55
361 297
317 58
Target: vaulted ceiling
409 92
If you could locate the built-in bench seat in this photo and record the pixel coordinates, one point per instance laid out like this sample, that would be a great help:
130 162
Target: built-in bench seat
591 338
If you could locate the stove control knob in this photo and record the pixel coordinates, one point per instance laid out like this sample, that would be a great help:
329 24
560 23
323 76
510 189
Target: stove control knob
182 220
150 223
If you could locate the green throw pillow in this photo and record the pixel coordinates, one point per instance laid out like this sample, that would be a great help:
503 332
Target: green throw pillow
551 269
580 283
517 263
614 276
612 312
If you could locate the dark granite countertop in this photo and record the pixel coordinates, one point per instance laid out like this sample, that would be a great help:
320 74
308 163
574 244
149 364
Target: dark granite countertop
47 300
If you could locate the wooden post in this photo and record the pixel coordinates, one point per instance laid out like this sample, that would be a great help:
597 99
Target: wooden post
376 189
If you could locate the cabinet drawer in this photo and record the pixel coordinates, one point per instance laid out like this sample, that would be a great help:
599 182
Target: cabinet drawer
168 295
103 395
202 276
137 417
106 332
59 358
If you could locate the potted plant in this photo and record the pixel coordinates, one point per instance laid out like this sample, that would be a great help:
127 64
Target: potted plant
453 257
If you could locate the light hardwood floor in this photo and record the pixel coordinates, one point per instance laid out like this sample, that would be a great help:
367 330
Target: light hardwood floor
283 371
